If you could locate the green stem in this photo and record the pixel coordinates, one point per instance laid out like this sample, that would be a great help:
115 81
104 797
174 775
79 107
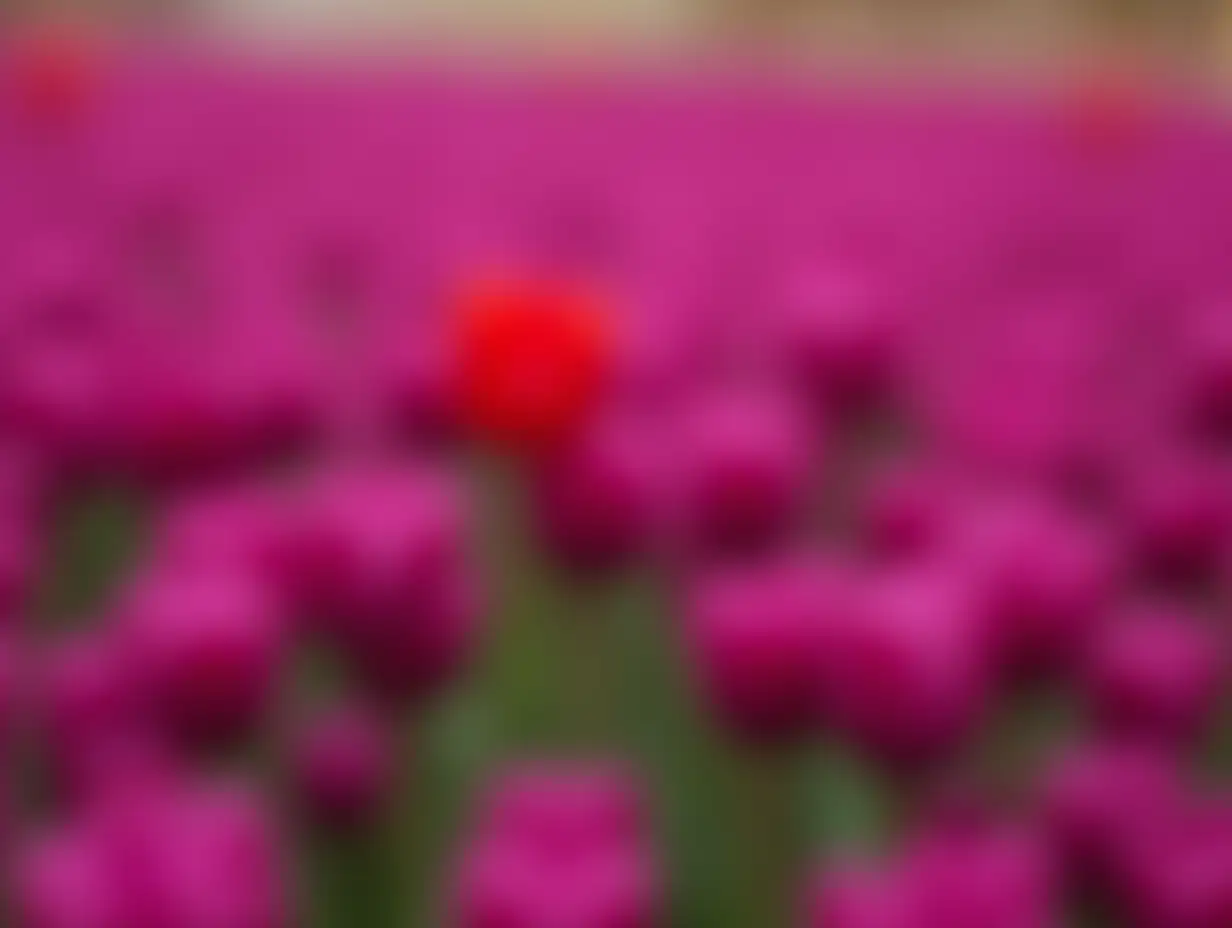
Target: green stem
594 659
359 879
346 887
94 541
521 667
681 755
1023 736
852 804
550 671
773 835
456 749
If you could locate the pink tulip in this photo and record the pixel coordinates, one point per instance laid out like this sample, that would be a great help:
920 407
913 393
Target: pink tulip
745 469
908 674
382 560
1099 797
760 641
560 845
838 333
1044 580
172 858
207 645
602 502
1156 674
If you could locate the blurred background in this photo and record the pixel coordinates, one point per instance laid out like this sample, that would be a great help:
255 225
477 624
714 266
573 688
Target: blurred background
1194 35
711 789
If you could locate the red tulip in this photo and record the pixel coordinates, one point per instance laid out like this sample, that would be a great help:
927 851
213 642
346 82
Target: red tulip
1106 112
533 359
55 74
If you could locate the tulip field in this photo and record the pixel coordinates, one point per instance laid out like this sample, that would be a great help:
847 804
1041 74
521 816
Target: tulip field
458 495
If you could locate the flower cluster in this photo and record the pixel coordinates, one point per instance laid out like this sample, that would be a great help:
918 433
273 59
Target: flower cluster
912 414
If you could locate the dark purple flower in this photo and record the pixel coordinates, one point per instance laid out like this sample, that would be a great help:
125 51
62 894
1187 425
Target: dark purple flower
58 398
179 415
87 702
207 645
344 767
838 333
12 687
602 502
907 675
908 512
1205 370
759 642
1178 514
416 380
21 558
1177 872
1044 580
1156 674
383 561
745 467
1097 798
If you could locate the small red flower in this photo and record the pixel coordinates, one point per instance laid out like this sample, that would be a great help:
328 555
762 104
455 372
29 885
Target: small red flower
1107 111
533 359
55 73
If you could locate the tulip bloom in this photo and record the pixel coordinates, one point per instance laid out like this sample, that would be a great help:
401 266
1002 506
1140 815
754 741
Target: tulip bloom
837 335
344 768
602 503
1044 580
1178 872
185 854
533 358
559 845
1156 675
746 465
993 874
908 674
382 563
1178 514
758 641
86 704
1096 798
566 807
208 645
